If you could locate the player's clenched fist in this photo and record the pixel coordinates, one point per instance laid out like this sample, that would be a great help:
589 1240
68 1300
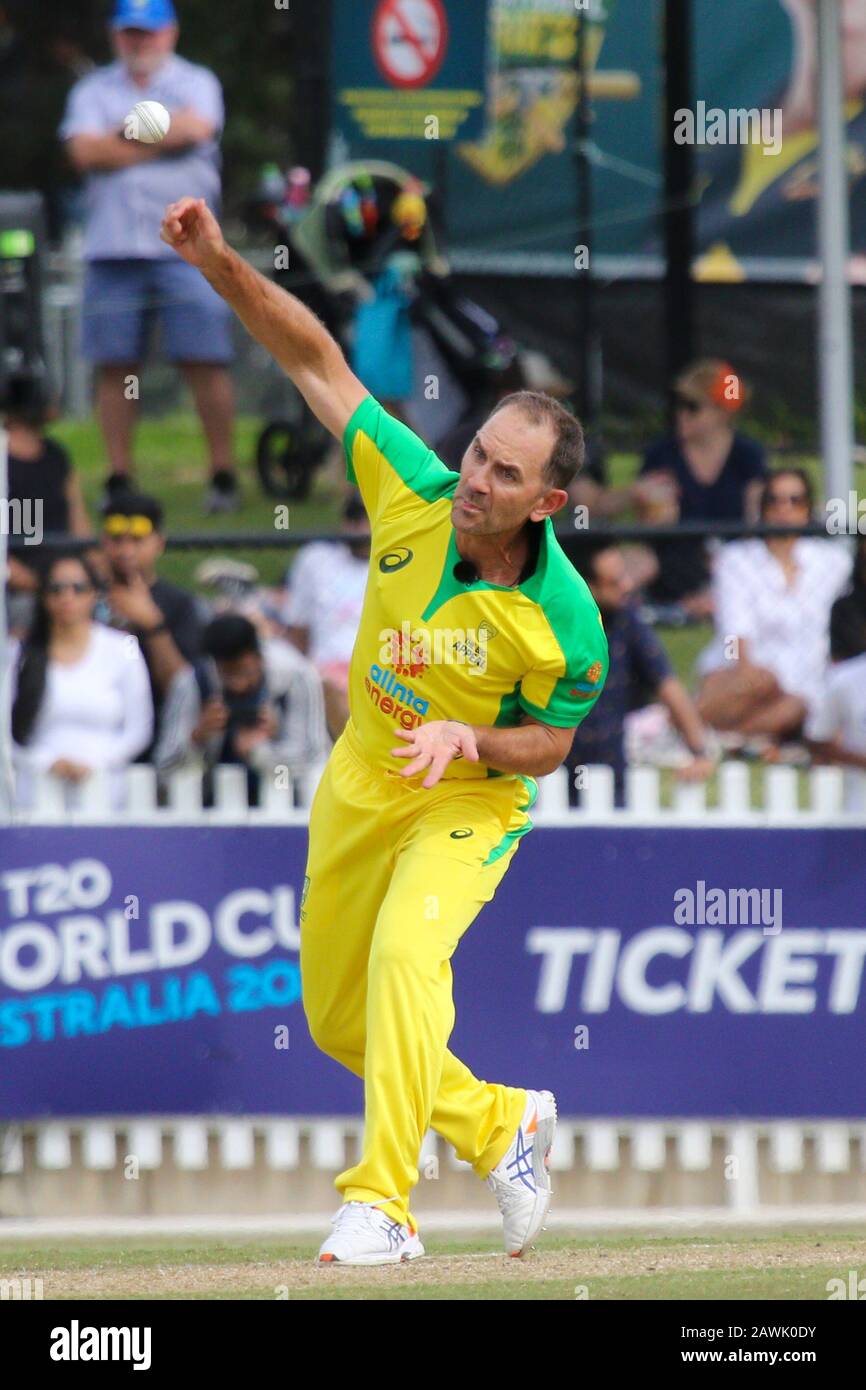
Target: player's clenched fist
191 229
433 746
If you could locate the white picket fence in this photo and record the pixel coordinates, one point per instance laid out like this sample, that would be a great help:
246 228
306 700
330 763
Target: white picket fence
748 1151
812 1153
769 798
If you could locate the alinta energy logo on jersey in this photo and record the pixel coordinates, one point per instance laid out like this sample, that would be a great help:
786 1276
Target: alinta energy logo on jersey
395 698
405 651
390 682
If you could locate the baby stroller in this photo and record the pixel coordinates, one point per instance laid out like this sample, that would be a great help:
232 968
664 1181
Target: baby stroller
362 219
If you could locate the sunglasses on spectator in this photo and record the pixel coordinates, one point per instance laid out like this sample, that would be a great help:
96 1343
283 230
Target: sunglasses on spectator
688 404
59 586
118 525
795 499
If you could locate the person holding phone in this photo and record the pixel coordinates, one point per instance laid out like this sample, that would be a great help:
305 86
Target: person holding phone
264 709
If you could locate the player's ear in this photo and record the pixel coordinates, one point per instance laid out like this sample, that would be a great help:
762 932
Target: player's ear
552 501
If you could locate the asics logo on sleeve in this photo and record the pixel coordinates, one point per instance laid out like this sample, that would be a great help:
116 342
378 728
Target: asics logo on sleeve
395 560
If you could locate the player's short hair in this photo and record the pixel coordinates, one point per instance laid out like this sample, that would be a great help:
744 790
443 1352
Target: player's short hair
229 636
569 449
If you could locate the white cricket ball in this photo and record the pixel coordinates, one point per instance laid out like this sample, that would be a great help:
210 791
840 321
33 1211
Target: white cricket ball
148 121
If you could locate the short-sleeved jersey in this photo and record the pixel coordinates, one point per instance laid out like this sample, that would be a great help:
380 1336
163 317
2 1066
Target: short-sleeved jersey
430 646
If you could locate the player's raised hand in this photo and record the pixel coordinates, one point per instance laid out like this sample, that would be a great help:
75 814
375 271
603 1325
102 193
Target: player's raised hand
433 746
191 229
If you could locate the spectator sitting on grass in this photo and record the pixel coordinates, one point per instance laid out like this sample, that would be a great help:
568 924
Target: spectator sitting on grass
705 471
638 666
42 481
323 608
767 663
265 711
167 620
82 699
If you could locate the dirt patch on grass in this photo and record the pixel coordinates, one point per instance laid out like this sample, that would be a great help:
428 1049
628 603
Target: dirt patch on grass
269 1278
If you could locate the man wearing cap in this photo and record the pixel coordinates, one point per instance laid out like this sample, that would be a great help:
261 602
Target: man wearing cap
131 275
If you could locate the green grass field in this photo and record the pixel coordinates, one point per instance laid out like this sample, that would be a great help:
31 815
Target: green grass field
732 1265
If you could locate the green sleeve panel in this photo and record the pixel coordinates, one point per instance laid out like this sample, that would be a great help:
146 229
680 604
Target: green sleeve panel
385 459
565 685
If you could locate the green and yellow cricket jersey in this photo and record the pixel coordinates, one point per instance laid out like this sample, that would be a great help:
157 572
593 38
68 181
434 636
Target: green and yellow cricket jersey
432 647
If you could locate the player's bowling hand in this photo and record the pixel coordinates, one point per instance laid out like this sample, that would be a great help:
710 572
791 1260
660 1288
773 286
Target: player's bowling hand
191 229
433 746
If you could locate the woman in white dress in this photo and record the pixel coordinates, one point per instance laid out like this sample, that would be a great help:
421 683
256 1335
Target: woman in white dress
82 700
765 669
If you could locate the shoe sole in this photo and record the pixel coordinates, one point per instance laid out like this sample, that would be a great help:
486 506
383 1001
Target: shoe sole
383 1259
541 1172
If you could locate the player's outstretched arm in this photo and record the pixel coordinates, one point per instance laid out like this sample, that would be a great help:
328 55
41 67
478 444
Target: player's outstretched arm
301 344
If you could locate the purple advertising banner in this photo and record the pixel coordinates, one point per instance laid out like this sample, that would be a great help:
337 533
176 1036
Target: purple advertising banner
635 972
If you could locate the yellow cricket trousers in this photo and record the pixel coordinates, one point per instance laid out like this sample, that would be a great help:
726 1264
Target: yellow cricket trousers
395 875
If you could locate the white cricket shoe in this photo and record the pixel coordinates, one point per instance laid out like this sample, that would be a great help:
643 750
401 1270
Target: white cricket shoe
521 1179
364 1235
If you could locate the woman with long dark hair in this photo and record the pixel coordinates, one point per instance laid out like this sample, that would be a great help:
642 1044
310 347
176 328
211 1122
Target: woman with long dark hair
765 669
82 696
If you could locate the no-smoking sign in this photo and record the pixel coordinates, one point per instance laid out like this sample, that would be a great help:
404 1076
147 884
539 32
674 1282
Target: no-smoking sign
410 40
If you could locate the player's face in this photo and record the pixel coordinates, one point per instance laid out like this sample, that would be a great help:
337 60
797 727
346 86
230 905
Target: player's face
502 475
610 584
